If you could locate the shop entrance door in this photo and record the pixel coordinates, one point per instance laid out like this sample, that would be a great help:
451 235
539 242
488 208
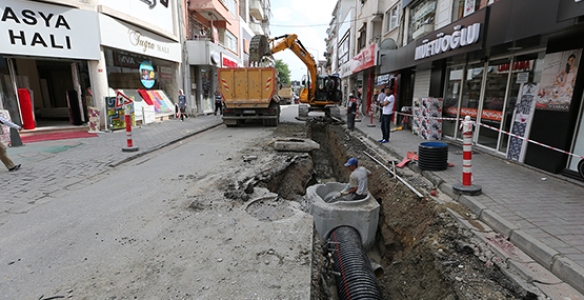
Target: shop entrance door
56 81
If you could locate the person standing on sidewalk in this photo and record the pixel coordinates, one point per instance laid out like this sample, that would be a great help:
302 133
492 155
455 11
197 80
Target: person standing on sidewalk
351 112
386 113
380 98
3 155
218 102
182 105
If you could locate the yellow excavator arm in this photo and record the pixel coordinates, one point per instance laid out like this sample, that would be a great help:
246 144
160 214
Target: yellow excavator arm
260 47
290 41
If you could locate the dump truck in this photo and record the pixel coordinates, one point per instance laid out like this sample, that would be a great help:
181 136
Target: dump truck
249 94
285 94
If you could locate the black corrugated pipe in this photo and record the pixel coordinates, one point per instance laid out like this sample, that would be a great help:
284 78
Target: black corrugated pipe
355 277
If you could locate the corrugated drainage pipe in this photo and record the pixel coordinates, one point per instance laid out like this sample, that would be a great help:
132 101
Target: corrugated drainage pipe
355 277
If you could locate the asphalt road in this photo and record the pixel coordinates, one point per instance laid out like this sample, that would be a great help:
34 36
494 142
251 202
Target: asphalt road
159 228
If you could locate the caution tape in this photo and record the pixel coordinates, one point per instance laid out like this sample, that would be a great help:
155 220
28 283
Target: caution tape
503 131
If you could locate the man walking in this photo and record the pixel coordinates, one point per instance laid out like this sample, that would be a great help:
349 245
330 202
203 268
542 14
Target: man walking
182 105
3 155
218 102
386 113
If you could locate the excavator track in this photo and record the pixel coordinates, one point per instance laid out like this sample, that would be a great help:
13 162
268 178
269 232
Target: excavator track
258 48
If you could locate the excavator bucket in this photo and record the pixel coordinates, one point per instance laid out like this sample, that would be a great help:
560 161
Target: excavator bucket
259 47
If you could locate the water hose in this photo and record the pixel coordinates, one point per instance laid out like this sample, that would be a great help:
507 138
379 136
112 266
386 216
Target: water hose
354 276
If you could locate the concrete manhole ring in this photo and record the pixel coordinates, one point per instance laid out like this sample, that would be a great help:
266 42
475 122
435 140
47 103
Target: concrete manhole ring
270 209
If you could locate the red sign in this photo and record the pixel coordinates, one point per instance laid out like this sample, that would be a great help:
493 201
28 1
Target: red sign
488 114
228 63
365 59
122 99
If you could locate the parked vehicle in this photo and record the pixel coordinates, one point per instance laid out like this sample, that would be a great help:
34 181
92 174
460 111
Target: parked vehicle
249 94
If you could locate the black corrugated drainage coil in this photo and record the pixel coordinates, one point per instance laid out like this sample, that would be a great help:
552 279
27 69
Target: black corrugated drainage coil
355 277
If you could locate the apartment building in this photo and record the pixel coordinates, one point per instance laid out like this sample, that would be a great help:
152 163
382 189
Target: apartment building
513 66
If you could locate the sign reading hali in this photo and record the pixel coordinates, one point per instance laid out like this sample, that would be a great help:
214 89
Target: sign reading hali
33 28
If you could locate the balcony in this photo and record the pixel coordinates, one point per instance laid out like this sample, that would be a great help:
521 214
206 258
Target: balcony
211 7
256 9
256 28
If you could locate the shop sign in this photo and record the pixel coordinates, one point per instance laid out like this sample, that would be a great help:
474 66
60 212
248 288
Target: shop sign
365 59
165 73
518 66
134 39
382 79
461 37
147 74
155 12
226 62
38 29
346 70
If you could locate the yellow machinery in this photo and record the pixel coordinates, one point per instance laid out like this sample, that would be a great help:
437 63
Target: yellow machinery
249 94
320 92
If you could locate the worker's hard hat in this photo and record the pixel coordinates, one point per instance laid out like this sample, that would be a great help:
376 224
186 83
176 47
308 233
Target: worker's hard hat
352 162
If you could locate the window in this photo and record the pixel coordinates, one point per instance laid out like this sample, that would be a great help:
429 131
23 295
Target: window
361 41
230 41
421 19
392 17
231 6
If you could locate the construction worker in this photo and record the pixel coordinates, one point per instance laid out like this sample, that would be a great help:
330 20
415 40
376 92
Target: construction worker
357 188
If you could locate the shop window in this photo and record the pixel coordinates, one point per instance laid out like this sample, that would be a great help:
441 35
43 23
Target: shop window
392 18
421 19
451 100
494 101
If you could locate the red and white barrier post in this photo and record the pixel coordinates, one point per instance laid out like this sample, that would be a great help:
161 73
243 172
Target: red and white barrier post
467 187
123 100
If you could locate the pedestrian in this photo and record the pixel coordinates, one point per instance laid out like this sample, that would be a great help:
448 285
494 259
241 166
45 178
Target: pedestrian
218 102
357 188
182 105
351 112
3 155
386 114
380 98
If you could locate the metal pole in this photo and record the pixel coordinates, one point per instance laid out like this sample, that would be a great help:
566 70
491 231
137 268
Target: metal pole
395 175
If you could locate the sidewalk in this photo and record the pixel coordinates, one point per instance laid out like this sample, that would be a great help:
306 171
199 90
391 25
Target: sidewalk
541 213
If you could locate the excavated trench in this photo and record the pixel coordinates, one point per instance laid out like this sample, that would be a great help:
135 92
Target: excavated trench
422 250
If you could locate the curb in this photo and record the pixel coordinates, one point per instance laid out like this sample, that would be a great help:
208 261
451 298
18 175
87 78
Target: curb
550 259
158 147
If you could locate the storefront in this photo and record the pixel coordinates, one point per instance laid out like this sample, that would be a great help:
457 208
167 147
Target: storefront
205 57
514 79
44 77
142 65
363 76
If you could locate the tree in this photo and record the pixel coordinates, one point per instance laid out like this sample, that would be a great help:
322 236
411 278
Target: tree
283 71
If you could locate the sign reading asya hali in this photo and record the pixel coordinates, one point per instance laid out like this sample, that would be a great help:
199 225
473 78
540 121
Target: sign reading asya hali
32 18
45 30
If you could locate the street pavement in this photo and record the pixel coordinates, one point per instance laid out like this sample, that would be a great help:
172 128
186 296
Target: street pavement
540 213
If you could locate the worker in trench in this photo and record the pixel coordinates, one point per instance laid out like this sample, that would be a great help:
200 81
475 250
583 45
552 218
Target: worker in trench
357 188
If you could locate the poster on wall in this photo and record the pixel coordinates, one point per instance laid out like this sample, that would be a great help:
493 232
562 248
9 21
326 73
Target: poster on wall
557 80
116 115
147 74
5 130
426 112
521 119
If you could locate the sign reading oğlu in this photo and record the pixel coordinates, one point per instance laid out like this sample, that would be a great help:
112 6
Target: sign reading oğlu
443 43
32 28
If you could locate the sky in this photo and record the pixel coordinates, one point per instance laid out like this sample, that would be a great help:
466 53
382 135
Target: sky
309 19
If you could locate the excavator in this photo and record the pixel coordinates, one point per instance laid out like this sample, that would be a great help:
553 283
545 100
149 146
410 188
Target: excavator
320 93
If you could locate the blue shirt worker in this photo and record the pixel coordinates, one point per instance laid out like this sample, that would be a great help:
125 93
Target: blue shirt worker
357 188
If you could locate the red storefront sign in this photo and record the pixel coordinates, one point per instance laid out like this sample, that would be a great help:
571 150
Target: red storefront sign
228 63
365 59
488 114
